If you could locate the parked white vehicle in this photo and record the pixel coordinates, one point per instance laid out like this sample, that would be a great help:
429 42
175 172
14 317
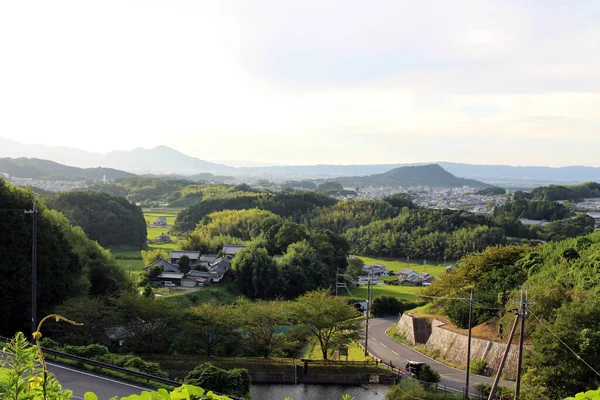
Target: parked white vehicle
169 284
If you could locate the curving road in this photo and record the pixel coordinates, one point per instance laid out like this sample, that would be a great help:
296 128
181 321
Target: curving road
80 382
387 349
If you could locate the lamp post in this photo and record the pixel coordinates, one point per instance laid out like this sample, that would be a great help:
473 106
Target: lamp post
34 211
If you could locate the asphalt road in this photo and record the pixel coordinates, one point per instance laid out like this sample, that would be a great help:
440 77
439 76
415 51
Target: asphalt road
387 349
80 382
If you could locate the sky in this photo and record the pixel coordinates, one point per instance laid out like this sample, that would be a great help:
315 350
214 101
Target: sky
307 82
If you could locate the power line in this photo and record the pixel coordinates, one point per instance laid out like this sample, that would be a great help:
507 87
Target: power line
564 344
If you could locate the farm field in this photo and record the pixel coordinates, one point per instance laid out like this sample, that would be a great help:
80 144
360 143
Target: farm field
400 292
150 214
396 265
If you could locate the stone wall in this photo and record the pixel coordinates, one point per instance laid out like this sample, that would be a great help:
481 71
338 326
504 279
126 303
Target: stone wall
452 346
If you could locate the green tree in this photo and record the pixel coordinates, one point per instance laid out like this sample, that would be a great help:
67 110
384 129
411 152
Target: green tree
209 330
255 273
151 256
261 324
184 264
289 233
301 270
331 320
355 267
234 382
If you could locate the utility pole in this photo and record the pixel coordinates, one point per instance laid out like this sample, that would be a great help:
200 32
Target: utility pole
34 211
522 313
506 350
337 278
469 346
368 310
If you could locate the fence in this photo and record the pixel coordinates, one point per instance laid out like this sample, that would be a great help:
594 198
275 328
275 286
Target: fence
59 356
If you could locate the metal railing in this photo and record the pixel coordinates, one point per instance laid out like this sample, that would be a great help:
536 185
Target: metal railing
126 371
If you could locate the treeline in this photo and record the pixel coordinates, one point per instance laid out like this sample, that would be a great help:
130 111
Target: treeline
68 263
563 282
425 233
574 193
108 219
306 260
245 328
522 207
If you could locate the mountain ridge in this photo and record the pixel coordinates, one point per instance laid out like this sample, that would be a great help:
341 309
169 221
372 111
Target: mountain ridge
432 175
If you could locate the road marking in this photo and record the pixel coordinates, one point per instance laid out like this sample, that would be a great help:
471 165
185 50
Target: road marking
395 353
383 345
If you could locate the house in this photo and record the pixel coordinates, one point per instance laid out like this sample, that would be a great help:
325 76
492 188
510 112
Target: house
160 221
450 268
190 280
165 266
407 277
163 239
214 273
230 250
364 280
425 278
596 217
206 259
174 277
533 222
376 269
175 255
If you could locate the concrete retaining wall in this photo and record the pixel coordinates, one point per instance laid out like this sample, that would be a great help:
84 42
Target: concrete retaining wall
452 346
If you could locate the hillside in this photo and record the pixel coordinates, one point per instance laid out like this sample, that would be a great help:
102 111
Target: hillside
428 175
35 168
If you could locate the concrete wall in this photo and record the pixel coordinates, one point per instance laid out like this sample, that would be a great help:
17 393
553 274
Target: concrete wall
416 330
452 346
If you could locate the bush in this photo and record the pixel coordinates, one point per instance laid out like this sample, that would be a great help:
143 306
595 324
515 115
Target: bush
93 351
235 382
428 374
478 367
388 305
502 393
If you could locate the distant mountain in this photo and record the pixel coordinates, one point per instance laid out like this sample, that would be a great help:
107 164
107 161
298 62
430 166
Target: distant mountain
427 175
35 168
161 159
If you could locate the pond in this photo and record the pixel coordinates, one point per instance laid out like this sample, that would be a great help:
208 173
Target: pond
317 392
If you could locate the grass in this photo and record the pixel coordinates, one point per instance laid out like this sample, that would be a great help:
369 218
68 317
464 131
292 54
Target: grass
221 294
399 337
355 353
151 214
433 268
400 292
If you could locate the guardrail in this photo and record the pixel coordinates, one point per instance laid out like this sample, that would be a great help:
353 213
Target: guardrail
115 368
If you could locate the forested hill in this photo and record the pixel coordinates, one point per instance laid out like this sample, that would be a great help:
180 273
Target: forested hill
68 264
36 168
563 283
110 220
427 175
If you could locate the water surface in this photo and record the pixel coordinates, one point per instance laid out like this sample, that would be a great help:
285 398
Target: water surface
317 392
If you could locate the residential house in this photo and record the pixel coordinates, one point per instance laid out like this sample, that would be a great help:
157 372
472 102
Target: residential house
364 280
206 259
160 221
376 269
174 277
596 217
407 277
425 278
175 255
163 239
230 250
215 272
450 268
165 266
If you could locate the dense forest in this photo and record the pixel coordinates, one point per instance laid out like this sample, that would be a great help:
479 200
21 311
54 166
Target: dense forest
108 219
574 193
35 168
68 264
562 279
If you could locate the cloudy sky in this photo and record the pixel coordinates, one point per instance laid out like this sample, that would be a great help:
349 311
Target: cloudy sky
307 82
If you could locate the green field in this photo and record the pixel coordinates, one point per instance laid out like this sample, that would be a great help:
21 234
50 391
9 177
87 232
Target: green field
150 214
433 268
401 292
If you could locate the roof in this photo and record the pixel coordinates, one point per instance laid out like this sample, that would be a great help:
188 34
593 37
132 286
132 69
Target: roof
425 275
192 255
171 275
166 266
533 222
231 249
207 258
594 214
220 266
407 271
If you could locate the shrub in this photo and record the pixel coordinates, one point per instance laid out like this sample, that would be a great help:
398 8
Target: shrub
428 374
236 381
478 367
93 351
502 393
